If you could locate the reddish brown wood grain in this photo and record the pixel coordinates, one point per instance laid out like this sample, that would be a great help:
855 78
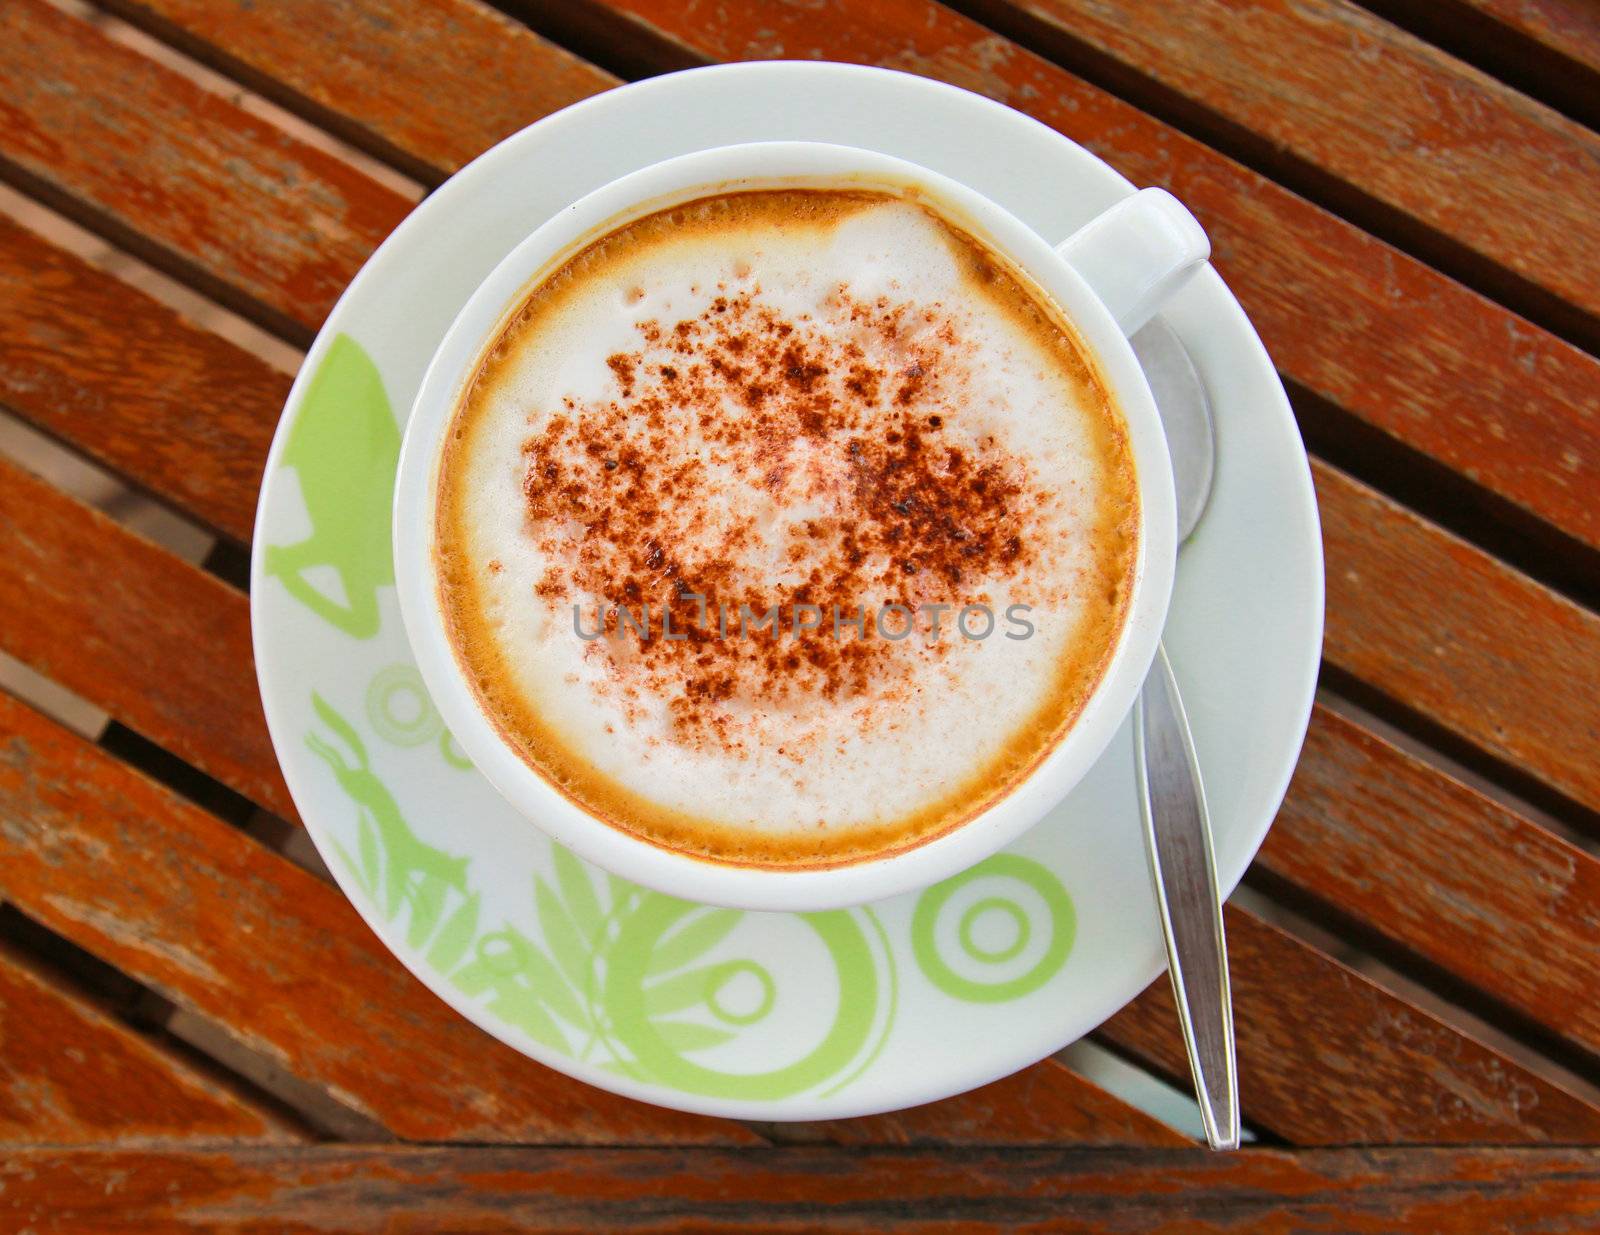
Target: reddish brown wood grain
69 1074
1253 1192
483 75
1327 84
1043 1105
1346 317
129 382
1328 1057
1449 631
267 222
1356 322
1453 876
157 643
228 929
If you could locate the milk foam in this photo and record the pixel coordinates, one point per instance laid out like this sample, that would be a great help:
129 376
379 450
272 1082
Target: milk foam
782 768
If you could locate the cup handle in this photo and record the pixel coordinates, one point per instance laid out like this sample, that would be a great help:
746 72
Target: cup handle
1137 254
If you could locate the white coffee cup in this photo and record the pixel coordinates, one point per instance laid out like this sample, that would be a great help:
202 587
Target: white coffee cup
1108 280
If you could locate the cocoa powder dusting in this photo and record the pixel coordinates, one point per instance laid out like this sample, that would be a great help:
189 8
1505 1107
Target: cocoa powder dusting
749 459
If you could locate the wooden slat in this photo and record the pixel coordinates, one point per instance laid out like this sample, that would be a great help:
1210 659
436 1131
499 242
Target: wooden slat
1347 318
231 931
158 644
1455 877
1450 632
1379 112
173 408
265 222
1327 1057
69 1074
1253 1192
478 75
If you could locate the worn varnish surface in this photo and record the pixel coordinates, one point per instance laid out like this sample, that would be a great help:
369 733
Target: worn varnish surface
441 51
1399 373
175 409
1253 1192
1448 873
1328 1057
1570 27
187 178
70 1074
1439 625
160 645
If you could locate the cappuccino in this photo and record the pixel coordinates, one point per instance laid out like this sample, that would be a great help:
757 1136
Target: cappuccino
786 528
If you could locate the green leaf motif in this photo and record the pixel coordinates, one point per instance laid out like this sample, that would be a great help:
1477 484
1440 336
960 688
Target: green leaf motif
521 1007
344 445
678 992
545 981
692 940
621 890
456 936
578 893
512 966
367 838
353 867
427 903
561 935
691 1036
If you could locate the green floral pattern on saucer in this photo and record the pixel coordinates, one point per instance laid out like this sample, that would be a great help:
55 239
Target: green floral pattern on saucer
642 985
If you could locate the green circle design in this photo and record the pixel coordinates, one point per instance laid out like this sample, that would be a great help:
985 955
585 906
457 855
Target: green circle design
1063 928
994 956
721 975
657 1060
452 752
388 686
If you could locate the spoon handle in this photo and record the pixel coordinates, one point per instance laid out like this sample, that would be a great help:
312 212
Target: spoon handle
1177 831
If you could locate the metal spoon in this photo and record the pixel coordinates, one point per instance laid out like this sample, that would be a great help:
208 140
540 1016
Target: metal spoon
1172 799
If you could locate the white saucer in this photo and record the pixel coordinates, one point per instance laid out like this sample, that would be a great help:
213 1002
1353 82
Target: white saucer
764 1016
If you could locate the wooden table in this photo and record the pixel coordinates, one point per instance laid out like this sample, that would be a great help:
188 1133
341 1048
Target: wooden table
1404 198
